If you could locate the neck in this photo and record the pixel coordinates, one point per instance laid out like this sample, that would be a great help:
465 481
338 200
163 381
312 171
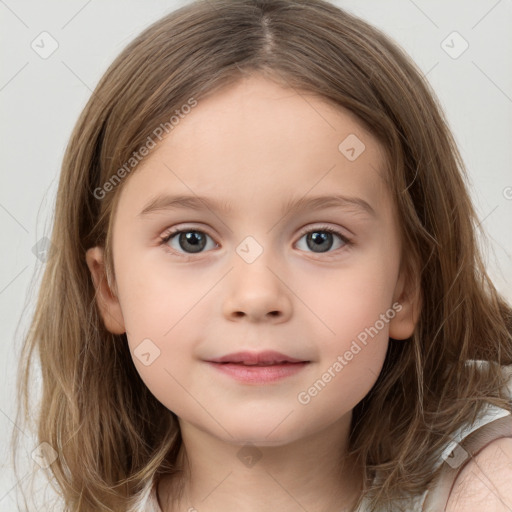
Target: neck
312 473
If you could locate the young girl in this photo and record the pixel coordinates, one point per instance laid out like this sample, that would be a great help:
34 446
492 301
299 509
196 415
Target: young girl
256 370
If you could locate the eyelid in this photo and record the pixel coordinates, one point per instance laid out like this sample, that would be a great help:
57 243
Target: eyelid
324 227
180 228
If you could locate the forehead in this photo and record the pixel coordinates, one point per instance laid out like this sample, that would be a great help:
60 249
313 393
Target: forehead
263 116
257 140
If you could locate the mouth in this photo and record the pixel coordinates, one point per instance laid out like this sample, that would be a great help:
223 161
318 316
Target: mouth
258 368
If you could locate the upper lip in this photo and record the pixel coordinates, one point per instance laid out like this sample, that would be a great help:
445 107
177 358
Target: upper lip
268 356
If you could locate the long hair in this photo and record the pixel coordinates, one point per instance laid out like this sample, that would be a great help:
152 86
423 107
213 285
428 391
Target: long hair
111 436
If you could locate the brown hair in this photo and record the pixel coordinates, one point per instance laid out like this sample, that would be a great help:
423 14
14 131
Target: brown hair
112 436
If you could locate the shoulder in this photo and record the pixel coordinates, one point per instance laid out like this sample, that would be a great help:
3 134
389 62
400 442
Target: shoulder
485 480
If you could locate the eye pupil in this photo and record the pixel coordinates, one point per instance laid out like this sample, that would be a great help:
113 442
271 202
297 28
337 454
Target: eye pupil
319 237
196 240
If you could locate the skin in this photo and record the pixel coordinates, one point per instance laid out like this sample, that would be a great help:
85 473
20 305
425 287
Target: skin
484 483
258 145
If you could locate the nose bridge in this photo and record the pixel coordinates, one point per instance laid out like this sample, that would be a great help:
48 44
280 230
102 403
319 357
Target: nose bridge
257 291
255 265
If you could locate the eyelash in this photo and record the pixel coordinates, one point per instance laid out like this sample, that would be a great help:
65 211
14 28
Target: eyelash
170 234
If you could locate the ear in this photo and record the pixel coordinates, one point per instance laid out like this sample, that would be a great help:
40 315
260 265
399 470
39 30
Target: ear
408 295
107 300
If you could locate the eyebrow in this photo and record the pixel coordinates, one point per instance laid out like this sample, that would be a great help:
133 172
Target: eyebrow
164 202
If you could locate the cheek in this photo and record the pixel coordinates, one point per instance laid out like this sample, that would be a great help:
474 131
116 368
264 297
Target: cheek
159 339
354 298
351 357
156 299
356 308
162 312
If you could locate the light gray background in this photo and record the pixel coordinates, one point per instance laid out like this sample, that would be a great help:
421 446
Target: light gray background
40 100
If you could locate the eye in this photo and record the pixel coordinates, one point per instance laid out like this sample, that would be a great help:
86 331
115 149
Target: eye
192 241
321 238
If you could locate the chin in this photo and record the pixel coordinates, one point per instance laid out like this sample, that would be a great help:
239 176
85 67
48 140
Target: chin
264 434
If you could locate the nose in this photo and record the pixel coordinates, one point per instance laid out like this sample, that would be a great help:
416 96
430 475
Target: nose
257 293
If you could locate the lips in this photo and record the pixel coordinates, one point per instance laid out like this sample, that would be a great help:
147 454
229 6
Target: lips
266 358
258 368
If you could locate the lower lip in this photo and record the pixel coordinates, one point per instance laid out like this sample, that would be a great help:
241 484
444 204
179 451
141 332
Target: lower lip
259 374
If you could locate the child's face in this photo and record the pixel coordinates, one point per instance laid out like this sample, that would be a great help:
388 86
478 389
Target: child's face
256 282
